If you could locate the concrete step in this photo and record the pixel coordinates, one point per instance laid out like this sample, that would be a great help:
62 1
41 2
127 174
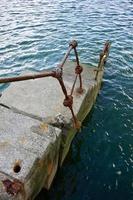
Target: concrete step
26 148
43 98
36 130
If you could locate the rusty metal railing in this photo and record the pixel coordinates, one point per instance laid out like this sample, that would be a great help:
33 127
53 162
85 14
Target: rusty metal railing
103 56
58 74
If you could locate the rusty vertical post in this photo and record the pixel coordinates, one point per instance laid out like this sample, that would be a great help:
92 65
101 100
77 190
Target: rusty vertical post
99 64
103 55
74 44
72 90
68 101
65 57
78 69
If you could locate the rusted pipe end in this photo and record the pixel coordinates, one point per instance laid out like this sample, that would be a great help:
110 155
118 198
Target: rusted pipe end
106 47
13 187
73 43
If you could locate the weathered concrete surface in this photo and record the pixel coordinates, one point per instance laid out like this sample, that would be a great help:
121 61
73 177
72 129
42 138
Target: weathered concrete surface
42 100
30 144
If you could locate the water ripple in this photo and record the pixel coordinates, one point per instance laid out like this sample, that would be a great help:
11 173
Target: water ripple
34 35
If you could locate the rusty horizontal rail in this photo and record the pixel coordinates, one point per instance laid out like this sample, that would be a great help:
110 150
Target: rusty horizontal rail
58 74
26 77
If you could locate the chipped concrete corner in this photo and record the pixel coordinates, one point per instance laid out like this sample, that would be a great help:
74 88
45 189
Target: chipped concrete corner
36 130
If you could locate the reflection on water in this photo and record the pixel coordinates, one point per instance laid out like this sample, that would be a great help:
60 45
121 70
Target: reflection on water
34 35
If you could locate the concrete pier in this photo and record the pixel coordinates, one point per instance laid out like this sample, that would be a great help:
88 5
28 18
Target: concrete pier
36 130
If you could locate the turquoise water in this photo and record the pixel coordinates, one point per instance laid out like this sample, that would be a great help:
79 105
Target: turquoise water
34 34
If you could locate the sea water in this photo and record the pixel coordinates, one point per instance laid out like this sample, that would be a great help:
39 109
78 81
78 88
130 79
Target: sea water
34 35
